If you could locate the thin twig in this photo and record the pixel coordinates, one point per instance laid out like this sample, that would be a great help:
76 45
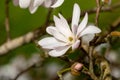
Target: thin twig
97 12
91 69
7 22
12 44
113 26
103 9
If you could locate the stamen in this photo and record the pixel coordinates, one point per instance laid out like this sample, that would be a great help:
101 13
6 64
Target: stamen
70 39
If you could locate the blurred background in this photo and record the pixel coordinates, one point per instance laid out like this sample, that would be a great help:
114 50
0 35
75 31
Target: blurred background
23 57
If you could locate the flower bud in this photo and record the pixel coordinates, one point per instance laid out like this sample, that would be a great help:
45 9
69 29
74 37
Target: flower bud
75 68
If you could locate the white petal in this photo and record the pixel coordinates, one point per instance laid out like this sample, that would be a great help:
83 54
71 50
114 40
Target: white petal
64 22
53 31
59 51
47 3
57 3
75 18
16 2
87 38
90 30
32 8
62 26
24 3
37 2
50 43
82 24
76 45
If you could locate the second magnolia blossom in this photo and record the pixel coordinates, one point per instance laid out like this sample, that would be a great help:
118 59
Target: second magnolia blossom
34 4
65 37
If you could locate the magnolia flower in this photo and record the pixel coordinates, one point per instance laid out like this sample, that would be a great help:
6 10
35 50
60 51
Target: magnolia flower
34 4
65 37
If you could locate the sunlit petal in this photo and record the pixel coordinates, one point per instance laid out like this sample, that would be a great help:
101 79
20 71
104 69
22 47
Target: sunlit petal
75 18
57 3
59 51
65 24
53 31
48 3
32 8
37 2
82 24
50 43
62 26
24 3
90 30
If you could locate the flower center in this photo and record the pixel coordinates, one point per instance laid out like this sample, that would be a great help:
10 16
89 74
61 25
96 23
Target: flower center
70 39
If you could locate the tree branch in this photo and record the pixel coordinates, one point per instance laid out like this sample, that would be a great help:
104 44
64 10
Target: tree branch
103 9
101 62
91 70
97 12
27 38
7 23
6 47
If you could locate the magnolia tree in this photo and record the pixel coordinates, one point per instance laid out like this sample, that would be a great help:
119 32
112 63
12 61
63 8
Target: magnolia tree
71 43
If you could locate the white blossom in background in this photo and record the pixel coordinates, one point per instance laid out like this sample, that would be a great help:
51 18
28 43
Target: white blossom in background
16 65
34 4
100 47
51 69
34 59
11 70
68 76
107 1
116 72
65 37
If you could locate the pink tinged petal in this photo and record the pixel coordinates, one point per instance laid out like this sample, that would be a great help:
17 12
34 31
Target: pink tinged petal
62 26
75 18
47 3
59 51
24 3
74 29
16 2
82 24
90 30
37 2
50 43
57 3
53 31
76 45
